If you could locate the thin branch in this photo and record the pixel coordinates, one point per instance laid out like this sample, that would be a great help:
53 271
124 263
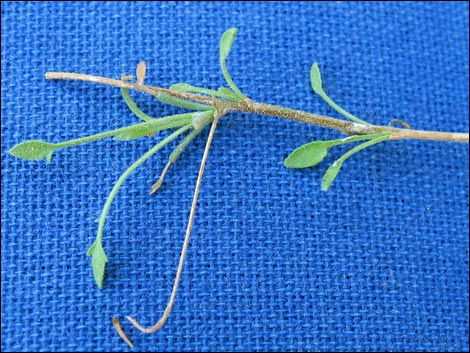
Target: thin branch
247 105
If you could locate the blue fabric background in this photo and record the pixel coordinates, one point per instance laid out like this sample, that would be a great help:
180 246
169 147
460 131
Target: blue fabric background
379 263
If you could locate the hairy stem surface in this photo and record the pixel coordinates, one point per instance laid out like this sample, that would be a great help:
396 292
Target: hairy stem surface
247 105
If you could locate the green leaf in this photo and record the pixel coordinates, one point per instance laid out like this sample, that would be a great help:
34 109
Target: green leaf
222 92
202 119
333 171
33 150
229 94
317 86
98 262
313 153
143 129
133 107
226 42
308 155
184 87
178 102
330 175
315 78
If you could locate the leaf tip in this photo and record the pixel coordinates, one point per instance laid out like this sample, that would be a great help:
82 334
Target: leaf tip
226 42
33 150
315 78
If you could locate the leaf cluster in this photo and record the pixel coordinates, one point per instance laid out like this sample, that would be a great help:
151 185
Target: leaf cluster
192 123
312 153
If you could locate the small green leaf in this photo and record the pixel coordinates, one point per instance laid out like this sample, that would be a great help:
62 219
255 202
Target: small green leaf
137 132
332 172
133 107
317 86
202 119
330 175
33 150
182 87
222 92
315 78
98 262
308 155
226 42
144 129
178 102
229 94
225 90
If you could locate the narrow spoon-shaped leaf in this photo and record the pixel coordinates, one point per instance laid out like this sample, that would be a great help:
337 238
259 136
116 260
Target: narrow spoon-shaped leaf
33 150
226 42
96 250
317 86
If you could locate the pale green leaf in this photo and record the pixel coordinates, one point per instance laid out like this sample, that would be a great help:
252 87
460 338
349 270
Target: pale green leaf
144 129
332 172
98 262
308 155
330 175
33 150
201 119
229 94
183 87
315 78
226 42
222 92
178 102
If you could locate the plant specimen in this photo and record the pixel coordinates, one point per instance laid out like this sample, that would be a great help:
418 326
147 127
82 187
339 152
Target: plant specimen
206 107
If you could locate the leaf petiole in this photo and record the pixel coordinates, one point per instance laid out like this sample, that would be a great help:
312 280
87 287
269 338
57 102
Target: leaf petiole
135 131
133 107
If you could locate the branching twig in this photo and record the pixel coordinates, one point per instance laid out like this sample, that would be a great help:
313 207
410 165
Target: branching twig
247 105
209 106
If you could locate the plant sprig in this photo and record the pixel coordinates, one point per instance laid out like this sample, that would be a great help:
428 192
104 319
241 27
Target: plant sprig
207 107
